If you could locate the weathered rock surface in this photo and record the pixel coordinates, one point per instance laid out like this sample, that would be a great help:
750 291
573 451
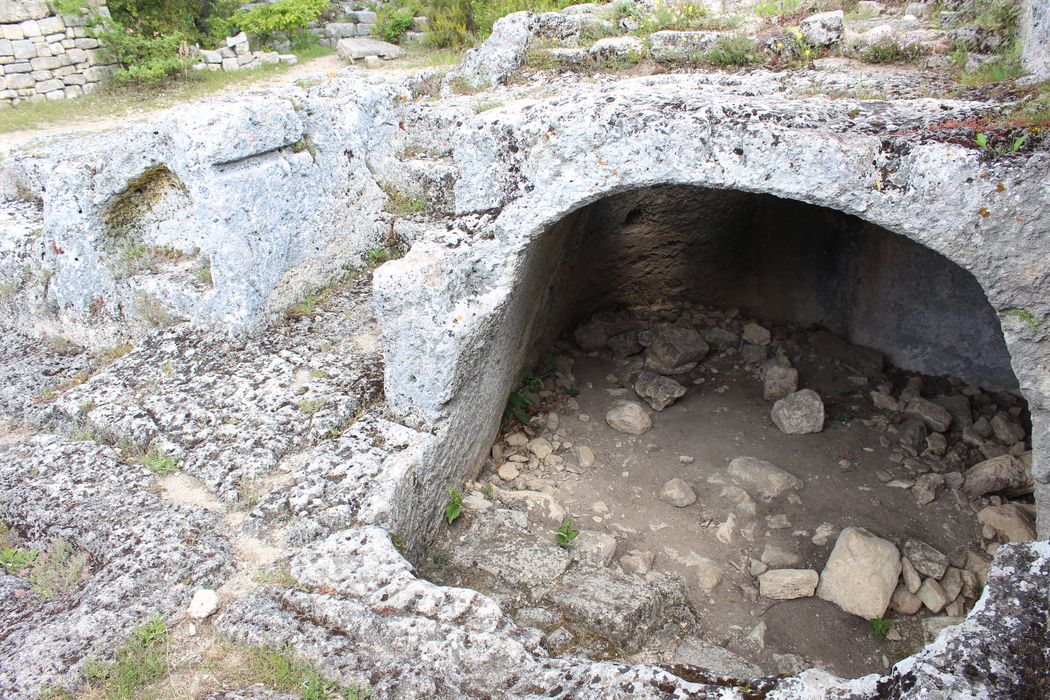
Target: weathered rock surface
497 58
799 413
620 607
861 573
823 29
681 46
499 547
617 47
136 570
714 659
517 170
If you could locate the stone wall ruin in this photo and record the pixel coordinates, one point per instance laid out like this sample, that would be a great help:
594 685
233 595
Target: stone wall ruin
47 56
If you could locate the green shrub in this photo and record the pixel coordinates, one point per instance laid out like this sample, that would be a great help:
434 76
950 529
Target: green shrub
144 59
732 50
565 534
392 23
284 17
889 51
997 16
454 505
457 24
670 14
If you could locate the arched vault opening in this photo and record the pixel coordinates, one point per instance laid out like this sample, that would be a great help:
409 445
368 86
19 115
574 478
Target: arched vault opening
763 417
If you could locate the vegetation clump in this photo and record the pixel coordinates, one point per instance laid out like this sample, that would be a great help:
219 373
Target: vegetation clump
142 660
454 505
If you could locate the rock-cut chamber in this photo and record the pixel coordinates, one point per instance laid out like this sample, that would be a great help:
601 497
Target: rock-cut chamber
786 437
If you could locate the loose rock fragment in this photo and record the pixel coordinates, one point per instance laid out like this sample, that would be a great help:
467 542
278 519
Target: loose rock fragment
629 417
799 413
592 548
861 573
1006 430
935 417
678 493
637 562
927 560
786 584
779 382
932 595
905 601
675 350
762 479
657 390
591 336
926 488
1004 473
756 334
205 603
1010 522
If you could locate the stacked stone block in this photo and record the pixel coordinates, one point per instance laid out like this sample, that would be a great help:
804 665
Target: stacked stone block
238 55
354 23
44 56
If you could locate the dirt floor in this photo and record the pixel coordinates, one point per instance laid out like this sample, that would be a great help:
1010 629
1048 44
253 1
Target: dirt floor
853 472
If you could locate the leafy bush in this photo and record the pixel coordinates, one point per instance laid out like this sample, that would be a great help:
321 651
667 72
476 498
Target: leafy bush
454 505
145 41
732 50
879 628
456 24
392 23
287 17
889 51
565 534
997 16
671 14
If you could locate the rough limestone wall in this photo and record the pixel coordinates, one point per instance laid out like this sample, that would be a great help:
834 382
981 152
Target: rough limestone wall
1035 35
786 262
247 204
45 56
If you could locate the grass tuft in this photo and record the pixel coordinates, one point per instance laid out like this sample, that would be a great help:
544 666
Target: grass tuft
141 661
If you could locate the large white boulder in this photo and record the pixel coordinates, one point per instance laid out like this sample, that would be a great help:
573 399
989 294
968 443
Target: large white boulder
861 573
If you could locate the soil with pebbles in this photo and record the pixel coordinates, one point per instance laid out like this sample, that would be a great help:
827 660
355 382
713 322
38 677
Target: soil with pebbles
855 472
